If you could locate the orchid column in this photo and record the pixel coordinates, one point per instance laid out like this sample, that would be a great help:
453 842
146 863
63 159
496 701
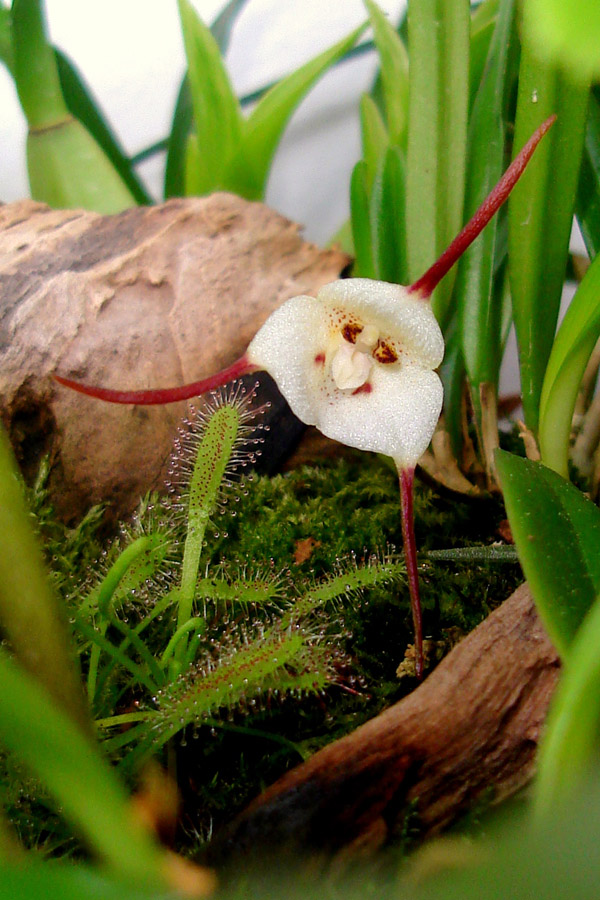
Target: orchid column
358 362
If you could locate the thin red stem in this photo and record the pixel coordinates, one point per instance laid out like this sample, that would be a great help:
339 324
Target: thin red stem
163 395
407 477
427 283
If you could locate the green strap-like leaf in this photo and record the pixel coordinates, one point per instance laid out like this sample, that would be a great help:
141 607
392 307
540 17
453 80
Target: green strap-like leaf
248 171
394 73
566 32
79 780
569 750
364 264
29 613
541 213
588 193
480 316
388 212
557 533
571 350
374 134
217 114
438 43
84 107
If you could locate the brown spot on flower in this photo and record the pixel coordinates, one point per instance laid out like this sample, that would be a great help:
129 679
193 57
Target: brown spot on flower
365 388
320 359
385 353
350 331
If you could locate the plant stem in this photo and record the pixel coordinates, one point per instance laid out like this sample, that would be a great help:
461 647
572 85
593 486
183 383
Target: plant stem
406 478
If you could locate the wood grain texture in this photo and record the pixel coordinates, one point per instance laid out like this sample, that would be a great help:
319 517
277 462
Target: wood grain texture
155 296
469 732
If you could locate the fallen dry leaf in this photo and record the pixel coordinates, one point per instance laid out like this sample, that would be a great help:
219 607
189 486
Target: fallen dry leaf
304 549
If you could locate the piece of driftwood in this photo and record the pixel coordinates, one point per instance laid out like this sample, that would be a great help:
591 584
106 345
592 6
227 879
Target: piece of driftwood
469 731
151 297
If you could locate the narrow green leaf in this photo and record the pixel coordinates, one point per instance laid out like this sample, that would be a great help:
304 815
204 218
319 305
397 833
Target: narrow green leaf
248 170
483 24
565 32
375 138
571 350
81 783
480 315
394 73
84 107
6 48
541 214
217 114
35 69
569 750
364 264
438 32
222 26
587 207
181 128
29 613
388 211
66 166
557 534
63 880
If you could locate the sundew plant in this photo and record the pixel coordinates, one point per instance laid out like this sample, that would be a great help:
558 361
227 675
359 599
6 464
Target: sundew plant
168 639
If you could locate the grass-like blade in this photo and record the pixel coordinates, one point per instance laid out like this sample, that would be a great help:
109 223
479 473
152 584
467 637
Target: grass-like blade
566 32
29 612
364 264
540 212
217 115
557 534
80 781
483 23
587 207
84 107
438 43
388 210
374 135
571 350
393 60
569 750
6 49
248 171
480 313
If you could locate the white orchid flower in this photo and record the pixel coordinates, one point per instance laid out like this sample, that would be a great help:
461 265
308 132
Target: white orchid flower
358 362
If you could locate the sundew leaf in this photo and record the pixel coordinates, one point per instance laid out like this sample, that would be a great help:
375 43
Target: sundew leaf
394 73
217 114
247 173
540 213
566 32
569 749
557 534
438 43
571 350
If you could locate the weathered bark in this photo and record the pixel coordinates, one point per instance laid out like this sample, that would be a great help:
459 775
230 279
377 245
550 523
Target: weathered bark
469 731
151 297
